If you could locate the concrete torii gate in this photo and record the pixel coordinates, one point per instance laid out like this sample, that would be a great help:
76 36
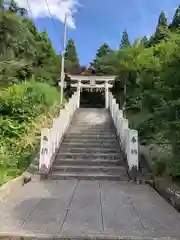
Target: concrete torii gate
82 81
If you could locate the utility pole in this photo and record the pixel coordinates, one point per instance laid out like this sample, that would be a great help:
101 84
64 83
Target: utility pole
62 59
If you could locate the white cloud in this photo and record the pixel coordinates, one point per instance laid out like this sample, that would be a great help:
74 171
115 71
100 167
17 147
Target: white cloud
58 9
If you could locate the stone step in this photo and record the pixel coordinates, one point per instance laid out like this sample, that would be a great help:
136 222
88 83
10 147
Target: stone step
88 150
114 156
89 162
90 137
88 176
91 134
77 122
90 141
81 168
90 145
94 127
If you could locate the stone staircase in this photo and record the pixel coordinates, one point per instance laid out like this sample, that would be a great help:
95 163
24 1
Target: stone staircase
90 149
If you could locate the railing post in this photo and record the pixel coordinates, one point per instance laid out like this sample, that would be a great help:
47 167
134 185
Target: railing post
125 126
51 138
113 107
119 118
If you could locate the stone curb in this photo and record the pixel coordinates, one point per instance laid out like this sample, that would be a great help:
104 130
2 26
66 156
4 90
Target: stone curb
168 190
16 183
88 237
31 172
10 187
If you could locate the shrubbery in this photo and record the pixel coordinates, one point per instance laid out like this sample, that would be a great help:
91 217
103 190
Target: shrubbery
24 110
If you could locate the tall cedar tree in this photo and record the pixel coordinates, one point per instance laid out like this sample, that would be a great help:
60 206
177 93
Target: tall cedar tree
161 28
125 40
144 41
71 53
176 20
103 51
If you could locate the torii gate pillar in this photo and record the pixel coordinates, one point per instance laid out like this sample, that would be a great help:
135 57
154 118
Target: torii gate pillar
106 95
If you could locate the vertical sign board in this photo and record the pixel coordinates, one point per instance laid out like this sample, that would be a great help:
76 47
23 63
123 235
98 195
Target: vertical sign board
45 151
132 154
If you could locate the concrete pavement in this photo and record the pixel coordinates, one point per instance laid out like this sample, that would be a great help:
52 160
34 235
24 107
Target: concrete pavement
72 208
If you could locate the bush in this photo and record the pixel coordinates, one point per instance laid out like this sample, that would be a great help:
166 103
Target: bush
24 110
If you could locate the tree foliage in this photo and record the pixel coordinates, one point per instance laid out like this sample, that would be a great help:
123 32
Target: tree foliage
71 57
24 52
149 70
161 30
27 103
176 19
102 55
125 40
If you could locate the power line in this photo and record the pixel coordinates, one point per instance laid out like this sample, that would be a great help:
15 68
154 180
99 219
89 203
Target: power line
29 8
51 16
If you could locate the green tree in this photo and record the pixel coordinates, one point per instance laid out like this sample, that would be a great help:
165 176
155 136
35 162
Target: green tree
1 5
103 50
23 50
176 20
102 56
144 41
161 32
71 53
161 29
125 40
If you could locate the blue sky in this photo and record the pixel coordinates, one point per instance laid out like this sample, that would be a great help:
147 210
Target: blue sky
99 21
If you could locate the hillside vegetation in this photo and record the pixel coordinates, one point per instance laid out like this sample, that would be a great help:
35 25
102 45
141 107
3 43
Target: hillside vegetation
29 69
148 86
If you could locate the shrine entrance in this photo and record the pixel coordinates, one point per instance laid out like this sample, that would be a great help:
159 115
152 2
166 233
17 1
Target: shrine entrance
92 98
92 90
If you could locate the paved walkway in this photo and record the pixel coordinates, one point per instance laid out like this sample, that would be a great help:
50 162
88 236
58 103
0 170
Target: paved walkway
88 208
